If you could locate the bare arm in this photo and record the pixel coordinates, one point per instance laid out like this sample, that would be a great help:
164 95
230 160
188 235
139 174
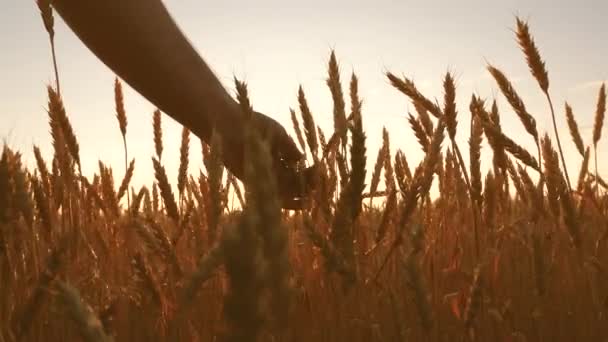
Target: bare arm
141 43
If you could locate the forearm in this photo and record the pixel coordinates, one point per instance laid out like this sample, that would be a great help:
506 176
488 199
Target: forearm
141 43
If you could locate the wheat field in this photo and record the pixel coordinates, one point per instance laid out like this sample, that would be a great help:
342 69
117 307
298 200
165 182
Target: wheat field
517 252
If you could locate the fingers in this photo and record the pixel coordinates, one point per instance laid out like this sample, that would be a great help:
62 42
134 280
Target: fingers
291 182
282 145
287 147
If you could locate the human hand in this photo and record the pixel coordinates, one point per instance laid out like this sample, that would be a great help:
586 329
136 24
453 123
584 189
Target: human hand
294 181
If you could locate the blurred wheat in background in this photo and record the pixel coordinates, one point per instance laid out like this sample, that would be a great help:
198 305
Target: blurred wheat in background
514 252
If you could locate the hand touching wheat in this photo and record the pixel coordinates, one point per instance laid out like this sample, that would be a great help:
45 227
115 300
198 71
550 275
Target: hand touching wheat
141 43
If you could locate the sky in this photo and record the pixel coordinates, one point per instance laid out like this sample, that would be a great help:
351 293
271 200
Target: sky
276 46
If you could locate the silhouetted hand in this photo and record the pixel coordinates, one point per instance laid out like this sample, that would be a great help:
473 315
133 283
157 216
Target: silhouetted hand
293 180
142 44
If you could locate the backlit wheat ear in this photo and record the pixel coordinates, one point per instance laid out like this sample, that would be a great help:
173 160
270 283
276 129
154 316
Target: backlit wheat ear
515 101
499 160
184 150
489 200
158 134
309 125
492 132
402 164
507 89
553 175
582 176
449 109
600 112
43 169
296 127
165 190
124 185
574 132
517 182
107 189
155 197
375 181
419 132
358 151
389 182
142 195
539 71
46 12
535 63
58 113
121 116
407 87
424 118
475 157
333 82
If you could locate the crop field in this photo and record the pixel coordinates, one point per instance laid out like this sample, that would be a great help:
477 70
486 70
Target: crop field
517 251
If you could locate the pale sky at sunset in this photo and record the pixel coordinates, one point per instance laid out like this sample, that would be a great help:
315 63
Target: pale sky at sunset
277 45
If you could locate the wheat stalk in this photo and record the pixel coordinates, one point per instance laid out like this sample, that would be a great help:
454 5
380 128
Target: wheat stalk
475 297
121 116
539 71
46 12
